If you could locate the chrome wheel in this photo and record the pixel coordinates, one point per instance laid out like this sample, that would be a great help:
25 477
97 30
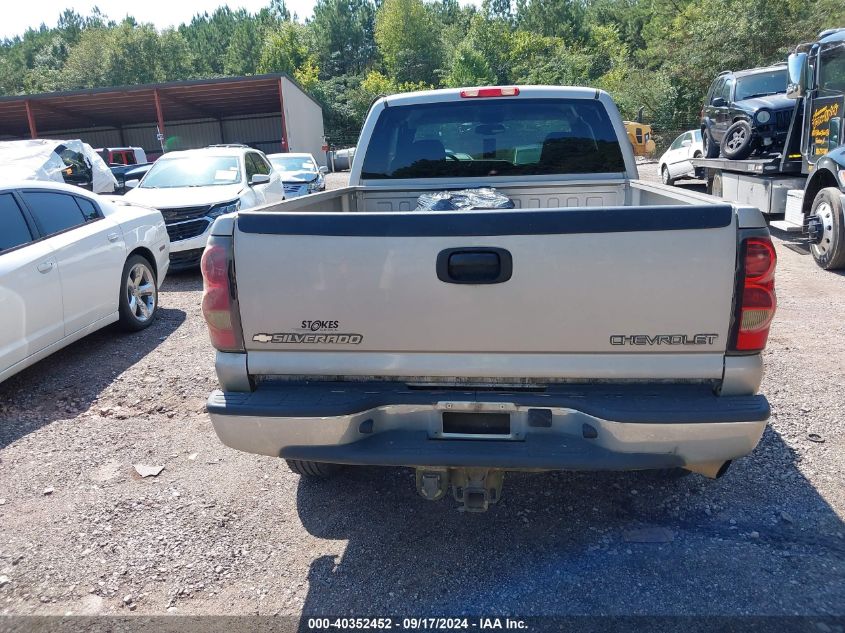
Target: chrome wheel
141 293
824 212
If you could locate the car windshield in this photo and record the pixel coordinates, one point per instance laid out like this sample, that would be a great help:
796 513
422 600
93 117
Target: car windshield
760 84
292 163
193 171
493 137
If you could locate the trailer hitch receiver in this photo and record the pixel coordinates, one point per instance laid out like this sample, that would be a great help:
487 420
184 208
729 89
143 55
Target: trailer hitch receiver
475 488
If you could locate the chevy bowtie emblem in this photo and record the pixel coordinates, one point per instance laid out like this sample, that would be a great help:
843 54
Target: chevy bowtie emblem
262 338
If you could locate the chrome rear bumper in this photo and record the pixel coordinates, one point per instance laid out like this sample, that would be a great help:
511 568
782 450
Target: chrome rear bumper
581 427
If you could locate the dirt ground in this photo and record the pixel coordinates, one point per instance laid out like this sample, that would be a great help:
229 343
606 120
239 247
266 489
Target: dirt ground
222 532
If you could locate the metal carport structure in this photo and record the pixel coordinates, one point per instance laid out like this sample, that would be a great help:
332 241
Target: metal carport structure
270 112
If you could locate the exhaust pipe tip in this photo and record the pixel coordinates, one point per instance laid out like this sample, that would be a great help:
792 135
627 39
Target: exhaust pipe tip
711 470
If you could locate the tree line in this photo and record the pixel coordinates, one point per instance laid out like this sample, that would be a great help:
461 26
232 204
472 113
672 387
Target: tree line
659 55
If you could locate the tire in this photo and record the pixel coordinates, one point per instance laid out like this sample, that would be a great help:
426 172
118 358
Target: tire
698 172
829 253
711 147
138 301
665 178
312 470
714 185
739 141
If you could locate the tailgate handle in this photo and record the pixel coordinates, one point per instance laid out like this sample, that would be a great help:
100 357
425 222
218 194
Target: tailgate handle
474 265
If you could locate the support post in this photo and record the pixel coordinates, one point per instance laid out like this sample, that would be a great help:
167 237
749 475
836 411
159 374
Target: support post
160 118
284 122
30 118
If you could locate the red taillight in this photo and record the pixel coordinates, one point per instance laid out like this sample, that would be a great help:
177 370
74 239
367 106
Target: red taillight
760 260
758 303
218 307
475 93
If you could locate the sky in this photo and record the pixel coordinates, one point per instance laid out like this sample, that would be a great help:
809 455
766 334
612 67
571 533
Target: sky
162 13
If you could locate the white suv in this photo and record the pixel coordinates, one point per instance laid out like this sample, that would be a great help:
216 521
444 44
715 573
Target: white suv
191 188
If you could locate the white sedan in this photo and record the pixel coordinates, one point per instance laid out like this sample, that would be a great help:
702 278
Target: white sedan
193 187
675 162
300 173
72 262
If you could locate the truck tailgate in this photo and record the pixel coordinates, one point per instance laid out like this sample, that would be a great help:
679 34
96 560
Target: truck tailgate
503 293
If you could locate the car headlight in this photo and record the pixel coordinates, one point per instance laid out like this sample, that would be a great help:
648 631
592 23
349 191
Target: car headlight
314 185
226 207
763 117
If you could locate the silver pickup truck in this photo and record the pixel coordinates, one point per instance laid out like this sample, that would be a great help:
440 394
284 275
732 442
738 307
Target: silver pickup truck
602 323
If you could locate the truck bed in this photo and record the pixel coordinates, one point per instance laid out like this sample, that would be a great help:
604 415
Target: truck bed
534 195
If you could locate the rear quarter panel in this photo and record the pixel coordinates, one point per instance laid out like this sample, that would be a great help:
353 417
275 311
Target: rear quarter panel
143 227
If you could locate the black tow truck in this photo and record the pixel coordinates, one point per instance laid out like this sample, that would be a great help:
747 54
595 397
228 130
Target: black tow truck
801 189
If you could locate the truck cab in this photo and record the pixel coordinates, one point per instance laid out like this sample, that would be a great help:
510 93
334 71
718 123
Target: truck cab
117 156
817 83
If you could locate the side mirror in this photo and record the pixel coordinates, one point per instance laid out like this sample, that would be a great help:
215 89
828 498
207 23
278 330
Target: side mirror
131 184
324 170
718 102
259 179
797 68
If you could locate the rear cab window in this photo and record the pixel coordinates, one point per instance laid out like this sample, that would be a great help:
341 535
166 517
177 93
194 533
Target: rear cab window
497 137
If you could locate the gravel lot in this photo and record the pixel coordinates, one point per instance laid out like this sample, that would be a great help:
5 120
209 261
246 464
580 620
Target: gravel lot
221 532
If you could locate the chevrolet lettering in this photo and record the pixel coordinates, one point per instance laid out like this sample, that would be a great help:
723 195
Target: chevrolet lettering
663 339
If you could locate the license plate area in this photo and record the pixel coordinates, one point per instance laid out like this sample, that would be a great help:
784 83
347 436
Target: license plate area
476 423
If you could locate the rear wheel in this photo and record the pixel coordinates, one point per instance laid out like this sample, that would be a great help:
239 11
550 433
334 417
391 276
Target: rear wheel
827 229
711 147
312 470
698 172
138 302
737 144
714 185
665 177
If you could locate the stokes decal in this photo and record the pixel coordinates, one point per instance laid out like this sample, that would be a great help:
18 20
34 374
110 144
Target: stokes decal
306 335
316 326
